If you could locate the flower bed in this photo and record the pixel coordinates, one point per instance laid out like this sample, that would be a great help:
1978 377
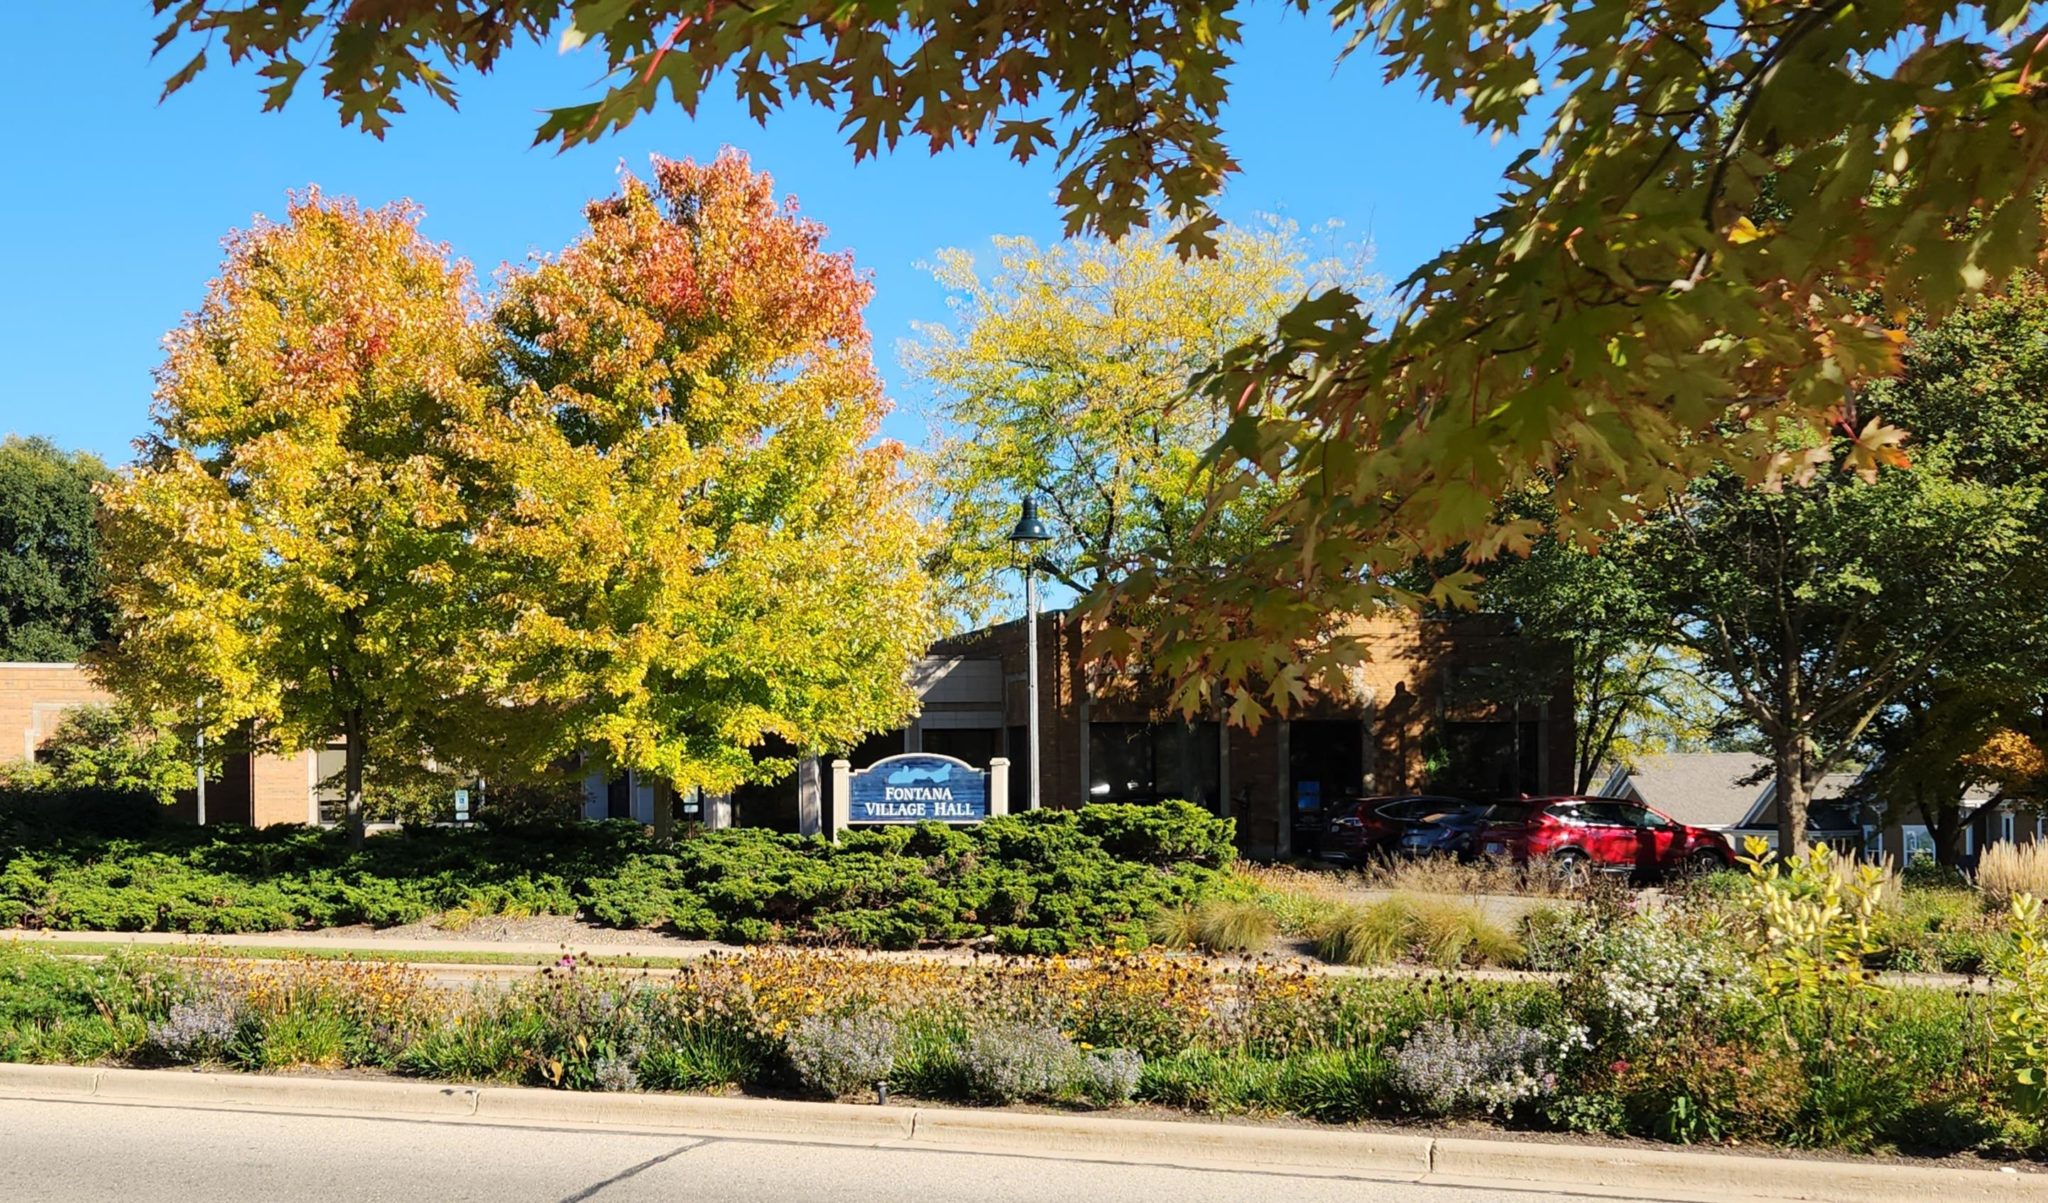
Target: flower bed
1658 1031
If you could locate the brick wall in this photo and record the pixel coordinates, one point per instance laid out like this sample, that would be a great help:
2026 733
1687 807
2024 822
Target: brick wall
33 699
1397 696
263 789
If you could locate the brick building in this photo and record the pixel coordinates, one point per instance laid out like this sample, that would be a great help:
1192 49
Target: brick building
1443 705
258 789
1425 712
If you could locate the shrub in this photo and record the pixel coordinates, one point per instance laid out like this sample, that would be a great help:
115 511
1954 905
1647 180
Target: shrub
110 749
2022 1024
1217 926
1447 1069
1808 923
2006 870
1044 882
1652 973
199 1030
1923 872
1110 1078
1164 833
1695 1089
843 1055
1440 931
1939 930
1031 1062
1556 938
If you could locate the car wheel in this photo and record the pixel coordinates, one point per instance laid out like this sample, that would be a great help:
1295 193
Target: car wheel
1702 861
1569 864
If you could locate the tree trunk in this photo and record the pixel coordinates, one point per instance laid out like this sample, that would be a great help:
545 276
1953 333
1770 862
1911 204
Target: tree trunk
352 763
664 812
1945 827
810 792
1793 796
1948 846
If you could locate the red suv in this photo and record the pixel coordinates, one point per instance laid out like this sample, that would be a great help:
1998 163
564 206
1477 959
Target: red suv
1600 833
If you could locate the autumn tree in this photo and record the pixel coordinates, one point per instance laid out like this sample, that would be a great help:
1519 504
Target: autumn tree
2014 762
694 541
1708 198
1065 373
52 603
290 551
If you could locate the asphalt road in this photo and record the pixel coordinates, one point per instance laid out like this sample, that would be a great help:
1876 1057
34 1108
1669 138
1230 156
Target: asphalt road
87 1152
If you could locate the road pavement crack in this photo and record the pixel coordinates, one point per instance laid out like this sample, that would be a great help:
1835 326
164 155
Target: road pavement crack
595 1188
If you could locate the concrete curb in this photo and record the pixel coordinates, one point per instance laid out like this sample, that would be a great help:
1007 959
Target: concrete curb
1637 1173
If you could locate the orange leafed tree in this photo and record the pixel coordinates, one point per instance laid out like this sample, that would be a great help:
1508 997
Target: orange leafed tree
707 550
2014 764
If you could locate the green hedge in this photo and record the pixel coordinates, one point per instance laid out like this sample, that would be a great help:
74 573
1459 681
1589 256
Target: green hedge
1049 881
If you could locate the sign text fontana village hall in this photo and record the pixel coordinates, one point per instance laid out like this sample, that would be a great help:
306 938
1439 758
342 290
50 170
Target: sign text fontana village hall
917 787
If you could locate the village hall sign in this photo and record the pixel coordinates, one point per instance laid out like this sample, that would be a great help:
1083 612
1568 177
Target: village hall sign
918 788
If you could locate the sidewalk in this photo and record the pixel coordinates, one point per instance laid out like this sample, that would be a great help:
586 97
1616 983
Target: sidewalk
534 954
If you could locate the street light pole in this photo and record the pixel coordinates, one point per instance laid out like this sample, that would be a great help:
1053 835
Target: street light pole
199 790
1031 684
1030 529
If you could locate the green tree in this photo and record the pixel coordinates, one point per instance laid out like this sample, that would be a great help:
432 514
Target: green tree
694 540
1636 690
1066 374
1977 383
290 551
1641 277
111 748
52 605
1819 605
1926 748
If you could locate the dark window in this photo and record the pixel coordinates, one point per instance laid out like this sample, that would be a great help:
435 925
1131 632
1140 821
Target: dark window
875 747
976 746
1325 762
618 797
1489 759
1018 741
1152 762
1606 814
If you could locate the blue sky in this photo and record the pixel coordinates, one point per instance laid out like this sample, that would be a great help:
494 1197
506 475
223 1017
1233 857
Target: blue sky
116 204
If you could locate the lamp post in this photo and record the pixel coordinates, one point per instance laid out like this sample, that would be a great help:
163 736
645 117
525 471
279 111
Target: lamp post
1030 529
199 785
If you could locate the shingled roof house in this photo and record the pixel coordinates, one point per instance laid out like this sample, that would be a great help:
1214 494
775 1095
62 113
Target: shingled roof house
1734 793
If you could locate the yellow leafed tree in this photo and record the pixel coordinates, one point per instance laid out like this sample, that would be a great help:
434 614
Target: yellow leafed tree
291 548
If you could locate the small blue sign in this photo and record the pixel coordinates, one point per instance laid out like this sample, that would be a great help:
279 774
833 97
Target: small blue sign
917 788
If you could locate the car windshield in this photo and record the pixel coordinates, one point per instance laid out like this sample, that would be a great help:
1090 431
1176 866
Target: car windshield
1510 812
